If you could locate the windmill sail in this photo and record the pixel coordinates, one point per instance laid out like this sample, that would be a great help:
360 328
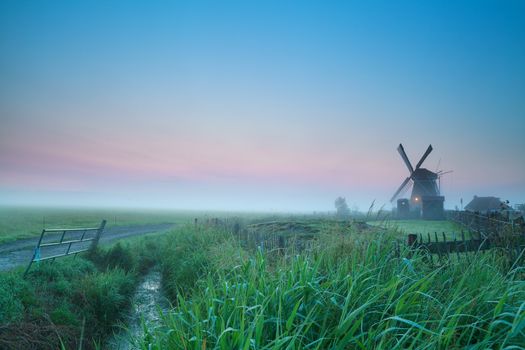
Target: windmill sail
425 199
401 151
424 181
427 152
403 185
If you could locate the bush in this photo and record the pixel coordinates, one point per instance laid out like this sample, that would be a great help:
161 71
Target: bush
69 269
146 252
63 315
138 256
120 257
187 256
104 296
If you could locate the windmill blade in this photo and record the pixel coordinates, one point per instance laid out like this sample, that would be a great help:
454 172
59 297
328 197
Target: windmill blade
401 151
403 185
441 172
427 152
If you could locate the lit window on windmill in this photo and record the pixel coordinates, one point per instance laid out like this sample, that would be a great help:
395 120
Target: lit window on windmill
416 199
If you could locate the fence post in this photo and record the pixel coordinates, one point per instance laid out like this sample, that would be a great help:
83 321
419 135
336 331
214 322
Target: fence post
412 239
257 240
37 249
281 244
412 242
98 234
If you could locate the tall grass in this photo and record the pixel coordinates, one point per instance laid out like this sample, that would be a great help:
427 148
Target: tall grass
349 293
188 254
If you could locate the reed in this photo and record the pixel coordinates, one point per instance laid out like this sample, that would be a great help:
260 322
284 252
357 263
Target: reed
349 292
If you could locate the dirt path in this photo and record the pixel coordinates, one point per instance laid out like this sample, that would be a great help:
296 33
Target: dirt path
19 252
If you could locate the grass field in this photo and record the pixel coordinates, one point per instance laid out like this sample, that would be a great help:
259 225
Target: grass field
25 222
316 225
349 290
404 227
300 226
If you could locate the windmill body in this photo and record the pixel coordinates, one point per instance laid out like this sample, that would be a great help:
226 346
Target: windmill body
424 184
425 200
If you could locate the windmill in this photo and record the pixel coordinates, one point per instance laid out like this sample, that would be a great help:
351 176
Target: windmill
425 196
440 173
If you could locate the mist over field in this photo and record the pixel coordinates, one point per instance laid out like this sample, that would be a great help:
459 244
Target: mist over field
274 106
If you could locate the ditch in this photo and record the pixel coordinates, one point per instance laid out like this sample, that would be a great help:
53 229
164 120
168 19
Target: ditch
146 307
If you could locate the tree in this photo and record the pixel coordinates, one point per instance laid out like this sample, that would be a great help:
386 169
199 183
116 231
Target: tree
342 210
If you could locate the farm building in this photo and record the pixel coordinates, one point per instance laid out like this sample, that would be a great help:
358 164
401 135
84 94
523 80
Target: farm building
486 205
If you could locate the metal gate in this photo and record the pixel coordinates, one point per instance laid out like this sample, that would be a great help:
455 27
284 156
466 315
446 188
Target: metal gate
56 243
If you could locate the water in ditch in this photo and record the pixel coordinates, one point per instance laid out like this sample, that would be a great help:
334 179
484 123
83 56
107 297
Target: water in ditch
147 302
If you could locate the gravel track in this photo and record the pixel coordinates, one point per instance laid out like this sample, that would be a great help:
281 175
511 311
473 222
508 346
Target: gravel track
20 252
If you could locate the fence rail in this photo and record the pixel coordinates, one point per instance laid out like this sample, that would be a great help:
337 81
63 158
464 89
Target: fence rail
275 241
485 225
513 244
78 240
484 233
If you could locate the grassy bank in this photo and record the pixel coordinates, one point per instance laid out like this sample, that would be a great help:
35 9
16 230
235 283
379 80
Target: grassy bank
350 292
71 302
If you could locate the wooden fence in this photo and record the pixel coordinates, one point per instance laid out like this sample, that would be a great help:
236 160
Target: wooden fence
277 242
56 243
484 225
270 236
437 246
485 234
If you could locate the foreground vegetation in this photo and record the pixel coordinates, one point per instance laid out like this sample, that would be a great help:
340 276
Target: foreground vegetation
349 292
72 302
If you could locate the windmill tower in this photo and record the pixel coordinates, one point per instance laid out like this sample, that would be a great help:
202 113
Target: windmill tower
425 199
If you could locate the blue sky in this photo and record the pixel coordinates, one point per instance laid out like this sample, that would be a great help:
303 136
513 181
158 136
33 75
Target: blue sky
275 105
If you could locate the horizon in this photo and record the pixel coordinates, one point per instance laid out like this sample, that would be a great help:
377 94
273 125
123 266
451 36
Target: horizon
272 107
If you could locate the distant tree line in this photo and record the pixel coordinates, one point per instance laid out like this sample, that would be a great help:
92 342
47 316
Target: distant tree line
342 210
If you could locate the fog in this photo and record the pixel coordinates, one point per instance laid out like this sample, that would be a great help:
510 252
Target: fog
257 106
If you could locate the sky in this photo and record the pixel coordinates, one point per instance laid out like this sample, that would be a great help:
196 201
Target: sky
258 105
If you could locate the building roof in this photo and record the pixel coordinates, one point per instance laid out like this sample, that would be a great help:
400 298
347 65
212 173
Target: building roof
485 204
